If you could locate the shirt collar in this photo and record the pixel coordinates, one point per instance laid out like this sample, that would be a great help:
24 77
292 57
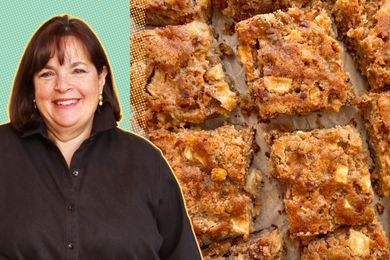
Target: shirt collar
104 119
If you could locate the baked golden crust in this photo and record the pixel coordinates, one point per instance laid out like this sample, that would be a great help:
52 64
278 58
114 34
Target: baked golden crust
244 9
361 242
328 177
267 244
365 25
376 112
292 62
212 169
171 12
185 80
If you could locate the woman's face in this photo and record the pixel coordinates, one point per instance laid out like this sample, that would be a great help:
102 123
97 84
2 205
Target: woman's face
67 95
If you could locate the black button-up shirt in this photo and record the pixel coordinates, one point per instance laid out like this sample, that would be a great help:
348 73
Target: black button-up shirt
117 200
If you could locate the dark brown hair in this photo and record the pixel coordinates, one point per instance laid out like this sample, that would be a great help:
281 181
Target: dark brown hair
47 41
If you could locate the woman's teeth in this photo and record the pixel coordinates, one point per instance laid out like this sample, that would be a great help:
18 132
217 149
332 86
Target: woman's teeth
67 102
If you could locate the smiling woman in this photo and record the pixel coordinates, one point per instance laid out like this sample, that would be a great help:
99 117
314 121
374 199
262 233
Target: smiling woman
67 93
72 184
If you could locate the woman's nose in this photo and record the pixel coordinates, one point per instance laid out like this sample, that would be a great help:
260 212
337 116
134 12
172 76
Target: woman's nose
62 83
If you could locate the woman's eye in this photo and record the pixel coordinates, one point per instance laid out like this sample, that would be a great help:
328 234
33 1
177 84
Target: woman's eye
79 71
47 74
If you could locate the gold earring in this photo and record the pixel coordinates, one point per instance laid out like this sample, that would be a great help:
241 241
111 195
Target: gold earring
35 105
100 100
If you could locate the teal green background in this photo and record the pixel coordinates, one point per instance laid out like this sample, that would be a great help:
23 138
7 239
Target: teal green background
109 19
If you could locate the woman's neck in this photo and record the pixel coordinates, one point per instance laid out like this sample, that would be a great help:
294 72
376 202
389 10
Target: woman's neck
69 140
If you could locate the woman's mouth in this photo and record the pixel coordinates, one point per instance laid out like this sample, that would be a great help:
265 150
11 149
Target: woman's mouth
65 102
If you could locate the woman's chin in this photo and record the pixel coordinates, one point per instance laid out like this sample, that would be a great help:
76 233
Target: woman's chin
70 118
68 122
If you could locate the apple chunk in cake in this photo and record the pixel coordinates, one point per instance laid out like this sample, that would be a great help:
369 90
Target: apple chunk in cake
292 62
212 169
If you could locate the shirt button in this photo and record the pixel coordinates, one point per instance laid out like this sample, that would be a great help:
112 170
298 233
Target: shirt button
70 246
70 207
75 173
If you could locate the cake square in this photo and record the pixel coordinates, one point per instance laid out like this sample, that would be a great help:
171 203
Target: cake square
292 62
244 9
266 244
184 78
365 27
168 12
361 242
376 112
328 179
212 169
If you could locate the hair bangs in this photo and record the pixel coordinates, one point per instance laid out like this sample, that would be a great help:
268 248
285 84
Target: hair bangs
54 46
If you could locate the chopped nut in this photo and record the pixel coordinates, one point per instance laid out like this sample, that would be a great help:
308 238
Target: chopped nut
229 28
215 33
380 208
359 243
277 84
226 49
218 174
